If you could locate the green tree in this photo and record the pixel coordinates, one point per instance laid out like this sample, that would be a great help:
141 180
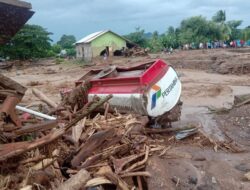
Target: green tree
56 48
138 37
245 35
170 38
198 29
67 41
155 43
235 32
219 17
194 30
32 41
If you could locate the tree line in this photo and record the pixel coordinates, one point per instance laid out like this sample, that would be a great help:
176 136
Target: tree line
193 30
34 41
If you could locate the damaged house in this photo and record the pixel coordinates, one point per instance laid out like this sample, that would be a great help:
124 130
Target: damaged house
101 43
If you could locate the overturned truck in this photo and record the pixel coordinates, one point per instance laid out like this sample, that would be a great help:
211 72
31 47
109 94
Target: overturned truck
151 89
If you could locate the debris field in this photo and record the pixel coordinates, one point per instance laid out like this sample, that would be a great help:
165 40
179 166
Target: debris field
91 146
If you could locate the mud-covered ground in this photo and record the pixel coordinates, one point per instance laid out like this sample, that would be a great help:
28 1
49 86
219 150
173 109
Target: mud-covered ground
210 80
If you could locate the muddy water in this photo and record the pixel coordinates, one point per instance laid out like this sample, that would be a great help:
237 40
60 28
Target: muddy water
202 90
201 115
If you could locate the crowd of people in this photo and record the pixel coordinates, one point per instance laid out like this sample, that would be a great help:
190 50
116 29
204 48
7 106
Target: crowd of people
216 44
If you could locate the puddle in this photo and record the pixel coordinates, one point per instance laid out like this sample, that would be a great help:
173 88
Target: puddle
201 115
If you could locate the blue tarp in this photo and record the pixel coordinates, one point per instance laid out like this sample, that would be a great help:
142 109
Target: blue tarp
248 43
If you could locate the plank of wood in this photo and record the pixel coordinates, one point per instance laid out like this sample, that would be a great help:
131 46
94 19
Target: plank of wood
41 96
35 128
94 143
10 84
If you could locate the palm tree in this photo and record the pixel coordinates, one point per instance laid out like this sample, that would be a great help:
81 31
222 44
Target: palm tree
219 17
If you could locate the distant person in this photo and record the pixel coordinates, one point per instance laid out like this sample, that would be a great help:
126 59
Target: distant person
234 44
105 56
170 50
242 43
224 44
201 45
208 45
212 44
231 44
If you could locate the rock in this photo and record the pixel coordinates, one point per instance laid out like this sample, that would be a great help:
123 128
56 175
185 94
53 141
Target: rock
206 187
244 167
192 180
214 180
247 176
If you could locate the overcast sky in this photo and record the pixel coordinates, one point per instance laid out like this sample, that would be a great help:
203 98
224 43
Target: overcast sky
82 17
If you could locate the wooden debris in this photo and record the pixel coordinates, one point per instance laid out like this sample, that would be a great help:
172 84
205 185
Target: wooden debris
34 159
28 187
119 164
104 155
97 181
93 144
167 130
247 176
14 149
76 182
241 100
47 125
107 172
131 174
15 88
78 129
43 164
87 148
44 98
138 164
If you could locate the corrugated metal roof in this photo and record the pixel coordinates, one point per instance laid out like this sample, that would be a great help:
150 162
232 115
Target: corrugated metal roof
91 37
95 35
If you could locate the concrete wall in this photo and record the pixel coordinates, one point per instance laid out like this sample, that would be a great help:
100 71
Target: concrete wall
107 39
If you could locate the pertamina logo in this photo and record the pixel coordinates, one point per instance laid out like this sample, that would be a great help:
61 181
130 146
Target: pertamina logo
155 96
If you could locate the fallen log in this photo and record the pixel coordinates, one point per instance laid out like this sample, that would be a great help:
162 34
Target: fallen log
44 98
9 84
35 128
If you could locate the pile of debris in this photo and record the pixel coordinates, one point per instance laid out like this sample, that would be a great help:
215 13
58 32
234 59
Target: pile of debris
136 51
86 147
